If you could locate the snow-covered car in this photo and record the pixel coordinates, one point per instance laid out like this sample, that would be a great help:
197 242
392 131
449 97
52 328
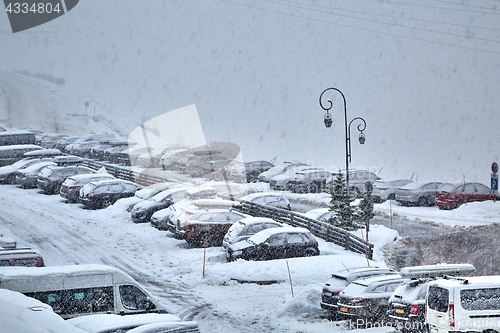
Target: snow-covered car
27 177
277 170
14 153
417 194
207 228
272 199
21 256
309 181
364 301
8 172
143 210
357 181
104 193
246 227
285 180
170 159
70 188
50 179
255 168
342 278
275 243
385 190
141 195
319 214
165 219
152 157
144 323
227 190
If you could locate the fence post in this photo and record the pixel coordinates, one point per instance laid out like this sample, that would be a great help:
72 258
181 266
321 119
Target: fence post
347 240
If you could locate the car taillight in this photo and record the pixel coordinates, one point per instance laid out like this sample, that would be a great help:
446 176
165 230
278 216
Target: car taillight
47 178
414 311
25 175
90 195
72 187
451 313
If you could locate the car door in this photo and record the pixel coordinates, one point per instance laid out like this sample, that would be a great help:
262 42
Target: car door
273 247
295 246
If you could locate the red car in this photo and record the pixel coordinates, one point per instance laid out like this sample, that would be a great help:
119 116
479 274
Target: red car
450 196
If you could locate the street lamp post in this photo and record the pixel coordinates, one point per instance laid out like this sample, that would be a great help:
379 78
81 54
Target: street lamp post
327 106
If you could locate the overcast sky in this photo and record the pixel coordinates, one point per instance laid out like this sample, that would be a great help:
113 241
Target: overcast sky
424 74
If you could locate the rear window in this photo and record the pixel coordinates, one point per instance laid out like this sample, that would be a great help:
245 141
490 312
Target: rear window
437 299
480 299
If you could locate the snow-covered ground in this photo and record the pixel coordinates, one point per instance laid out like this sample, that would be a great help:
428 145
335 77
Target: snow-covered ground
231 297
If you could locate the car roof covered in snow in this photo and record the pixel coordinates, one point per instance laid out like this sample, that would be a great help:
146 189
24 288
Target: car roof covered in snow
261 236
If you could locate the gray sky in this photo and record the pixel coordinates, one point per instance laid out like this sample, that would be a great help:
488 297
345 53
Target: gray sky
423 74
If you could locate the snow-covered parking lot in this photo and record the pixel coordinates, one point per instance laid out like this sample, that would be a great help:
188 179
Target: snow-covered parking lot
231 297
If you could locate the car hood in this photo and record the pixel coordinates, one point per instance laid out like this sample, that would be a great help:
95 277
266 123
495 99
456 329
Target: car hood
146 204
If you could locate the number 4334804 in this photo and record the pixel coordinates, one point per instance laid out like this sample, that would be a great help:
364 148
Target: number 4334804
38 8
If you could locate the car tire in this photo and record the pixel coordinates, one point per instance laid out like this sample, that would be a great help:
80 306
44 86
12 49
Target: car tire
310 252
106 202
422 202
313 188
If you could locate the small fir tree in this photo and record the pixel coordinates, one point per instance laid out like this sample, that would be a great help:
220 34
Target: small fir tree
365 211
344 213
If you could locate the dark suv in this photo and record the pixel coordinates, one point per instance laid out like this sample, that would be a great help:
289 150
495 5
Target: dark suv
275 243
50 179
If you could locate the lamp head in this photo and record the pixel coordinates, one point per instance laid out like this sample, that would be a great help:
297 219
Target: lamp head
362 138
328 120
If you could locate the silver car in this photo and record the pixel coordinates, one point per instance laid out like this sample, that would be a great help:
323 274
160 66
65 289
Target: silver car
417 194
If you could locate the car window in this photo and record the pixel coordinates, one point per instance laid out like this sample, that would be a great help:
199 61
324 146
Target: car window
380 289
100 189
130 187
276 240
116 188
294 238
437 298
480 299
391 287
470 188
482 189
133 298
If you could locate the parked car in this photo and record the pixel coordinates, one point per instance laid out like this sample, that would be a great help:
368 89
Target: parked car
277 170
227 190
309 181
450 196
207 228
385 190
246 227
70 188
113 154
255 168
169 160
272 199
463 304
143 210
342 278
275 243
103 193
319 214
83 148
357 181
50 178
141 195
89 137
285 180
49 140
364 301
27 177
42 153
21 256
13 153
152 157
407 303
204 165
8 172
417 194
137 323
97 151
63 142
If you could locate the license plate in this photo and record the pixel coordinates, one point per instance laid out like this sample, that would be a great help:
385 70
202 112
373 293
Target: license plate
343 310
400 311
327 293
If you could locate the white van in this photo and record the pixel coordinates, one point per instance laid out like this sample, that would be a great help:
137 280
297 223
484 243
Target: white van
77 290
464 305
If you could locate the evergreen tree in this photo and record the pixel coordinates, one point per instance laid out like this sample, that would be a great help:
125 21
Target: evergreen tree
344 213
365 211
